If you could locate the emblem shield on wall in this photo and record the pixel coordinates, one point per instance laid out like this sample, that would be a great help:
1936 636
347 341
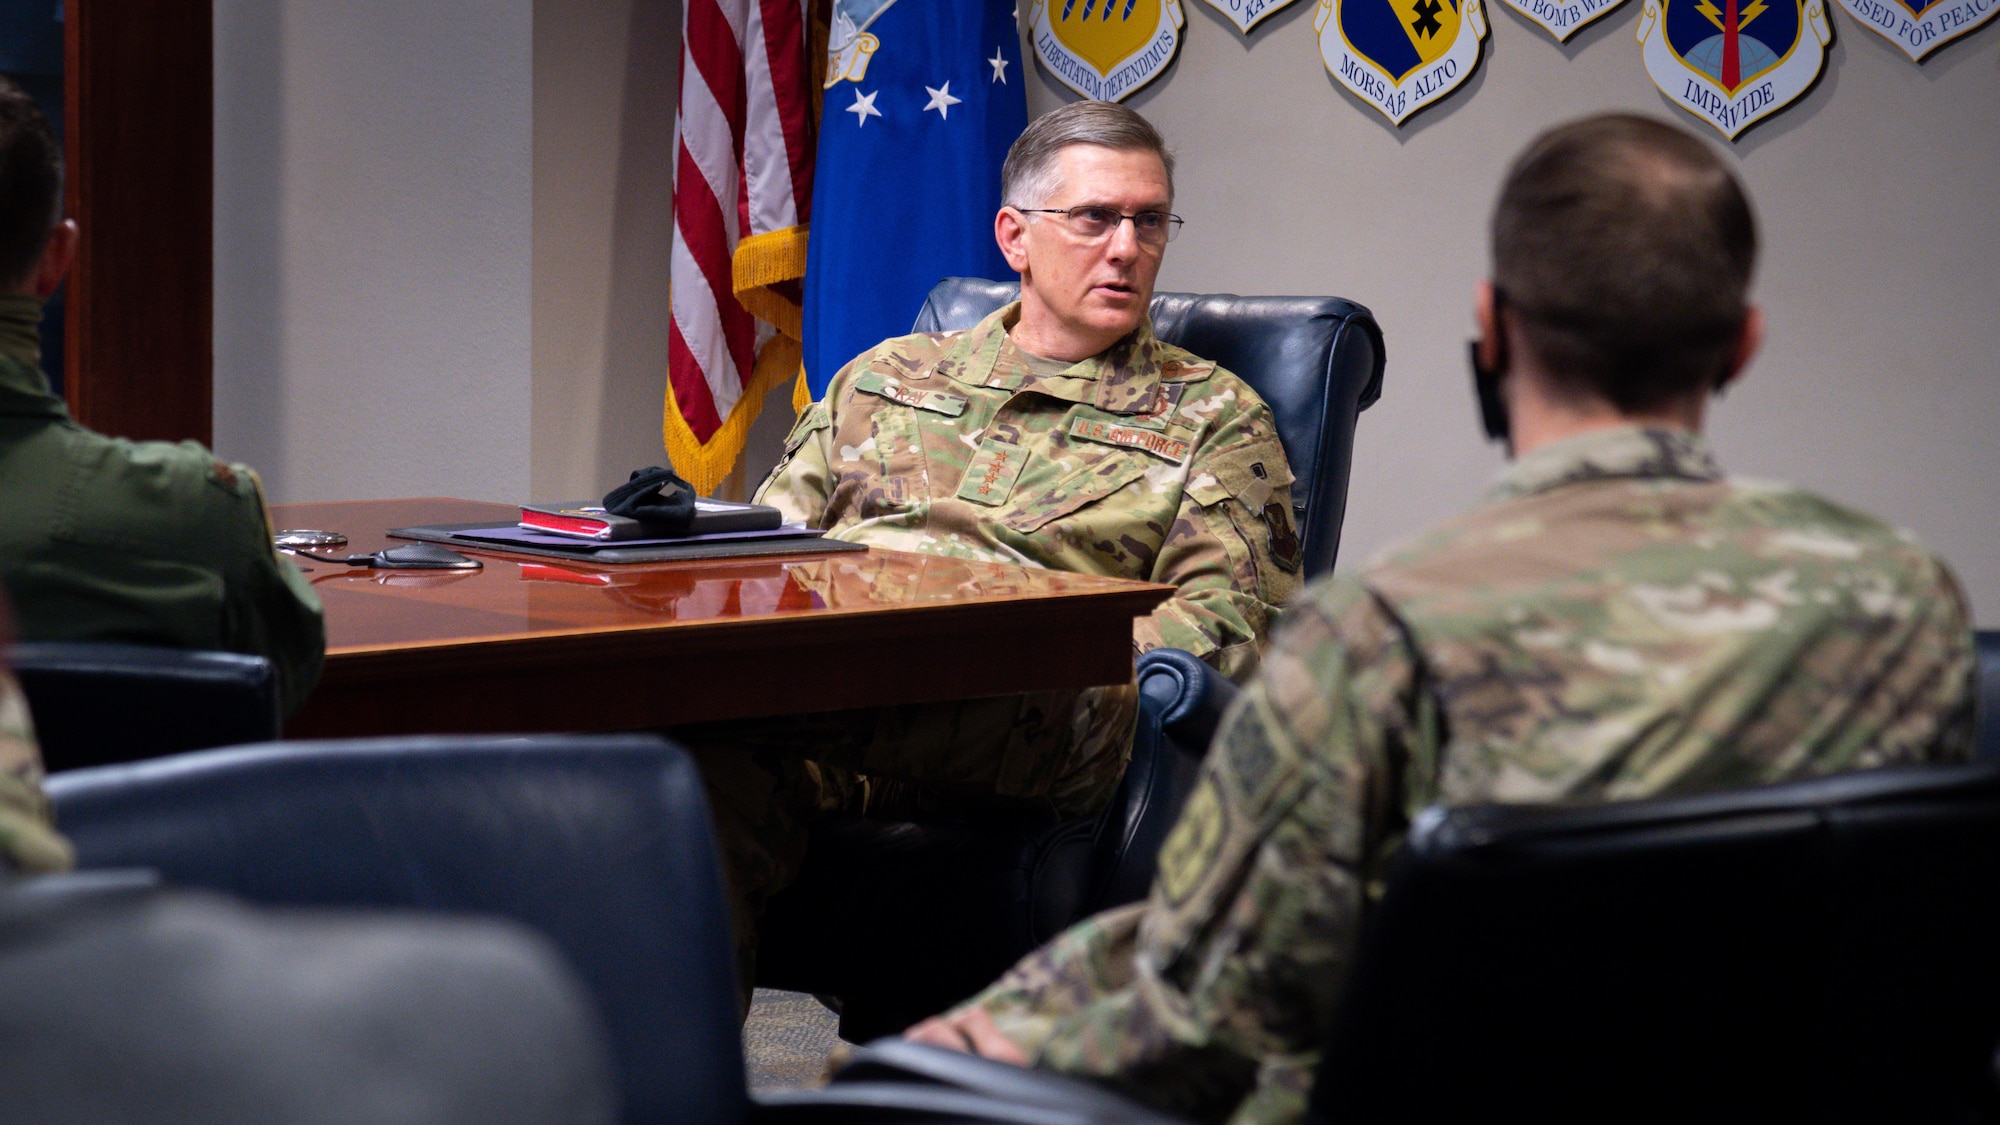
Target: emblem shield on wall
1246 14
1921 26
1400 55
1733 63
1105 49
1563 18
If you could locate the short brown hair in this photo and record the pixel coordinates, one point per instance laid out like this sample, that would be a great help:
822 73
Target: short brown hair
1625 246
1028 178
30 184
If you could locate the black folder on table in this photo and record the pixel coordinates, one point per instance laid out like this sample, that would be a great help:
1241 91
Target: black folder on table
791 539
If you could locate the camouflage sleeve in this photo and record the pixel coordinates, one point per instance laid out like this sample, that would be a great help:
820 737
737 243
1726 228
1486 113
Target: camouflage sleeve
28 840
1233 549
1934 677
270 609
801 483
1216 992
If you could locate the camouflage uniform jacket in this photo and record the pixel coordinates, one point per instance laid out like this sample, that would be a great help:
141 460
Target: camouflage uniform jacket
28 843
103 539
1144 462
1618 621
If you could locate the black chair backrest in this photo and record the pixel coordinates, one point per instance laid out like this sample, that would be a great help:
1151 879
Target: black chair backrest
96 703
601 843
1987 643
1820 950
1316 361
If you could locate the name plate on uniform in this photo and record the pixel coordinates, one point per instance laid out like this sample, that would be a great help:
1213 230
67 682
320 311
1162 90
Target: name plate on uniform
1152 441
937 402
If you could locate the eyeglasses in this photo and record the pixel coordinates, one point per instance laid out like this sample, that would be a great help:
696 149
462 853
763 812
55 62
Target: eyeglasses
1154 228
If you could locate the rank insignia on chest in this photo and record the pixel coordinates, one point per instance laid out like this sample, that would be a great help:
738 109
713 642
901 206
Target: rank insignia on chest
1733 63
937 402
1112 433
990 477
1400 55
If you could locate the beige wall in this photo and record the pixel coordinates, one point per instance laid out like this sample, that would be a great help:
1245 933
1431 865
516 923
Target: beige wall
1880 200
372 214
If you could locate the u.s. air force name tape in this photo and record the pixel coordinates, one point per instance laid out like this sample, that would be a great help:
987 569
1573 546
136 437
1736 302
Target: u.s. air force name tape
1246 14
1400 55
1733 63
1563 18
1921 26
1105 49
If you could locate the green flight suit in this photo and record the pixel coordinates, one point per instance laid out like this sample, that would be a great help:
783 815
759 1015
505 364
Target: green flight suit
103 539
1618 621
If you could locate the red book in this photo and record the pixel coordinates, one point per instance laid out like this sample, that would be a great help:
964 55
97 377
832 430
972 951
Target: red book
585 520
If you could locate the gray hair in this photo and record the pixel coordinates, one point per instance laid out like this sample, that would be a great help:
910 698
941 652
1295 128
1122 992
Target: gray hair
1030 177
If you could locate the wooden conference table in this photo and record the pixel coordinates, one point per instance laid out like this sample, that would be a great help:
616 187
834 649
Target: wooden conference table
544 644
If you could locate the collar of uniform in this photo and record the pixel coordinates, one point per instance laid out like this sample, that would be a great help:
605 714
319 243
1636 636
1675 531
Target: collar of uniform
24 390
1122 379
1627 451
21 329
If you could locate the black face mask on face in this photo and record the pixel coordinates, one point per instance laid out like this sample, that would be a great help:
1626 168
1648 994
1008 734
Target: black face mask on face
1486 380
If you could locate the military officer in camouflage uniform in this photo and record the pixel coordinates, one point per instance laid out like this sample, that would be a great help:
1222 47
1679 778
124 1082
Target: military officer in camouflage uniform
28 842
109 540
1618 620
1060 433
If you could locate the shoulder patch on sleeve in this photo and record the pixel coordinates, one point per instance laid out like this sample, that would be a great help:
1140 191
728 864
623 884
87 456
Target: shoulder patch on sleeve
1193 844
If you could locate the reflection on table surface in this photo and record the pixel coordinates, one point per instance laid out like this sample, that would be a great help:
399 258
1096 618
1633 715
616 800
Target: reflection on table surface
515 595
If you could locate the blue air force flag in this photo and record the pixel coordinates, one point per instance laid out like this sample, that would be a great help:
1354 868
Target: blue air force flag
1734 62
1563 18
1105 49
1921 26
1400 55
922 99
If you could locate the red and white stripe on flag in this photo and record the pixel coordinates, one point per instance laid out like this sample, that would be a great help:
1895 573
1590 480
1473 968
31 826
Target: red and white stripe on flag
742 197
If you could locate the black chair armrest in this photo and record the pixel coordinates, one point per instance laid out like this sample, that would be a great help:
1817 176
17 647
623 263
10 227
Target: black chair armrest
1181 700
890 1080
1191 695
96 703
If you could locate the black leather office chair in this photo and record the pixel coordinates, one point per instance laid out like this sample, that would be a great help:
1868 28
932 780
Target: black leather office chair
1987 642
901 920
600 843
1814 951
96 703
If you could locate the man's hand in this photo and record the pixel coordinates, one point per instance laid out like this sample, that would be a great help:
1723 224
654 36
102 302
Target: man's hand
972 1032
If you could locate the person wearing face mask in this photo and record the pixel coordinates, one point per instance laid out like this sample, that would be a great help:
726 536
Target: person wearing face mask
1059 432
1617 620
103 539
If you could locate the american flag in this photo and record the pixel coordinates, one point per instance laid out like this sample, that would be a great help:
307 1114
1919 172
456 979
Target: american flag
742 198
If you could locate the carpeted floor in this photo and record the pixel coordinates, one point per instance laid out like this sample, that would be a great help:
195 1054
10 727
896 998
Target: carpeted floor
787 1040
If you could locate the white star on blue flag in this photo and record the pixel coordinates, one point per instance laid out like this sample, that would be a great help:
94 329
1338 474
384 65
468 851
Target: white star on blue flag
941 100
863 107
